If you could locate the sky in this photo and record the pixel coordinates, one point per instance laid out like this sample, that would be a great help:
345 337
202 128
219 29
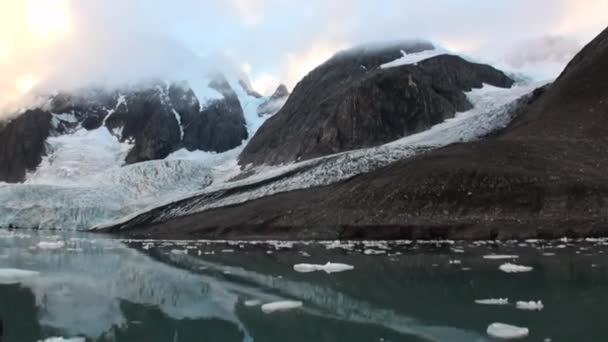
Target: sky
50 44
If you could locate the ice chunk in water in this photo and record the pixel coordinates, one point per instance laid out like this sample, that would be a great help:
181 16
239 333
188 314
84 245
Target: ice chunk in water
531 306
50 244
513 268
281 306
61 339
506 331
493 301
500 257
327 268
14 276
252 302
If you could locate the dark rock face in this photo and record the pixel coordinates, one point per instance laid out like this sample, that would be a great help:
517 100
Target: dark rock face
145 117
275 102
350 102
89 108
544 176
220 126
22 144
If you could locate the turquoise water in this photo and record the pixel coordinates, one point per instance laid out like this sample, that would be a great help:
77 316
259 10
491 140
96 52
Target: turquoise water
101 289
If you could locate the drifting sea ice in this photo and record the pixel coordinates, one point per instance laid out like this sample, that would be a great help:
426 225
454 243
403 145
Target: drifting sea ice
50 244
500 257
513 268
530 306
281 306
327 268
61 339
506 331
493 301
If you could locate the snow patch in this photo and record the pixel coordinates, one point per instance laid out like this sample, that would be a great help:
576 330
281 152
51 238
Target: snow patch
179 123
414 58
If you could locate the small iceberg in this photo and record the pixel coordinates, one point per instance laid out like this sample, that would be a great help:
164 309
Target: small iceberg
61 339
50 244
500 257
252 302
327 268
493 301
530 306
13 276
281 306
513 268
506 331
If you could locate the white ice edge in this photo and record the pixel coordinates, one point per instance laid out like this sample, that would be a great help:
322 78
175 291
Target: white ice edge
506 331
279 306
493 301
530 306
327 268
513 268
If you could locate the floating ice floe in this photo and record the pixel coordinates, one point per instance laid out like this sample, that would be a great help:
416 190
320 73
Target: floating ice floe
252 302
281 306
493 301
455 262
13 276
327 268
513 268
373 252
500 257
506 331
50 244
61 339
179 251
531 306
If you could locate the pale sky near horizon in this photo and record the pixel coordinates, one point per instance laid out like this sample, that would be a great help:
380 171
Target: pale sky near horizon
271 40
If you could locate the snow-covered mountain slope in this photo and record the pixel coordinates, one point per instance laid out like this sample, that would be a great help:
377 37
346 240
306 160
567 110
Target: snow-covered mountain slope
84 180
493 109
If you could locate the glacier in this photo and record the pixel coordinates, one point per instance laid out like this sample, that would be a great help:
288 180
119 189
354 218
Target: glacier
83 180
83 183
493 109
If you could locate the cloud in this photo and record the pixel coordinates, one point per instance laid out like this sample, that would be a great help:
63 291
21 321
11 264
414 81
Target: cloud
46 44
297 65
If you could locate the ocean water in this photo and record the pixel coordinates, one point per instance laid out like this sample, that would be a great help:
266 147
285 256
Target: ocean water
83 287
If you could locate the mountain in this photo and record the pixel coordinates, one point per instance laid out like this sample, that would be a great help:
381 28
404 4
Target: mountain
22 144
357 100
157 118
275 102
543 176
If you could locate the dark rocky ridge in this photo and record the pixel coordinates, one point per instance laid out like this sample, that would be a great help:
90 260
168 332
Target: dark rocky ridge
542 177
157 117
22 144
275 102
350 102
